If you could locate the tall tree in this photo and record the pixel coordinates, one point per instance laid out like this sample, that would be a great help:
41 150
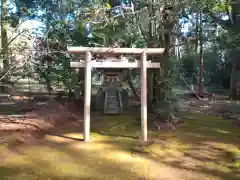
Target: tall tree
234 28
201 69
4 38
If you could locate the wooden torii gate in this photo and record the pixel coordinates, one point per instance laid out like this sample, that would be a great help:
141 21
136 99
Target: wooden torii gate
88 64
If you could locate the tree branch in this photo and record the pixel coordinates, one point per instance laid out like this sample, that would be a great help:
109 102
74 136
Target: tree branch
11 41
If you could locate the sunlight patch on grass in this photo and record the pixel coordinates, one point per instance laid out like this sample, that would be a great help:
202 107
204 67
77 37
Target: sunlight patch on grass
221 145
90 146
210 126
75 135
218 135
222 131
171 147
235 155
203 142
209 121
117 126
51 162
213 166
65 161
57 139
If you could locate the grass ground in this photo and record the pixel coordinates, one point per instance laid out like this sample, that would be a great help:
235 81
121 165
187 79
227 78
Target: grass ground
205 147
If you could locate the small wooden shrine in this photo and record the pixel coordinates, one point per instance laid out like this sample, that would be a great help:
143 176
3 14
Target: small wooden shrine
111 94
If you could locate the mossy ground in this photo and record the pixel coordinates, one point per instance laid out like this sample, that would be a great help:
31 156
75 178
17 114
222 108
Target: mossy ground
203 148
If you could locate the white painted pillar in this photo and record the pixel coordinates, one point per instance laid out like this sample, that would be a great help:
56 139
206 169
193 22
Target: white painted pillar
87 96
144 96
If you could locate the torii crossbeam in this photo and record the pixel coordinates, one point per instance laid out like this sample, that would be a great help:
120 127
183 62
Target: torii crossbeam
88 64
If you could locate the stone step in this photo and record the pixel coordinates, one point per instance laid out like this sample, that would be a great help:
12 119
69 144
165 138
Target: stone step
112 106
112 98
112 103
113 110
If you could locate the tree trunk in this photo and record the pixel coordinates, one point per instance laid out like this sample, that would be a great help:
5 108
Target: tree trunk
150 81
234 93
4 40
235 78
162 85
131 85
196 51
200 90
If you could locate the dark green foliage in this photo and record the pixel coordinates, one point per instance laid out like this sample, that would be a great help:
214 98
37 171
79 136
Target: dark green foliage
216 71
13 19
125 31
